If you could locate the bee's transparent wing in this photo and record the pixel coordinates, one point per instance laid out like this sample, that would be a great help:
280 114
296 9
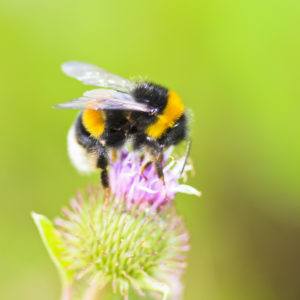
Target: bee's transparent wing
102 99
93 75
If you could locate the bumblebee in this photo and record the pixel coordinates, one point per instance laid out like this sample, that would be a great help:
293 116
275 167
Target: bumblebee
147 114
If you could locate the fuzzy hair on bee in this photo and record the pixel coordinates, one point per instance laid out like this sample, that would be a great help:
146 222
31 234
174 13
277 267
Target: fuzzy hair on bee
149 115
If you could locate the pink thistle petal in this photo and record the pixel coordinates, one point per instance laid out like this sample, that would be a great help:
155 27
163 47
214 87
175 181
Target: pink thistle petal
145 188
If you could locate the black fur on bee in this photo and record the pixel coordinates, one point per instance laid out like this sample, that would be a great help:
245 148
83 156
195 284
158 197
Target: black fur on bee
123 125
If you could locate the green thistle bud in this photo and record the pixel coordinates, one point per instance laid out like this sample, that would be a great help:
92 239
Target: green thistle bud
140 249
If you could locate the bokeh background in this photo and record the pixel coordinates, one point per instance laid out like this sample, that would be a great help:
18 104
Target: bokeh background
236 65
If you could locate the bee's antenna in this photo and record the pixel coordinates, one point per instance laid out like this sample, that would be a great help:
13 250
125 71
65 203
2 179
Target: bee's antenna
187 154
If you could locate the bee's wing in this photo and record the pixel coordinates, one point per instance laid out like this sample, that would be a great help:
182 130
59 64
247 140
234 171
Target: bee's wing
102 99
93 75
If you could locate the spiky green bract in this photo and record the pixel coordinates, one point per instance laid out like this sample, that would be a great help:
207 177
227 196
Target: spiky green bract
52 241
139 249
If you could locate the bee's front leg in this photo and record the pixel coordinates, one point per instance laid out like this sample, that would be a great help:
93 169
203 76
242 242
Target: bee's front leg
144 168
159 166
158 156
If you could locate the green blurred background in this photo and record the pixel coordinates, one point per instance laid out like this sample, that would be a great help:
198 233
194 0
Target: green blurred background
236 65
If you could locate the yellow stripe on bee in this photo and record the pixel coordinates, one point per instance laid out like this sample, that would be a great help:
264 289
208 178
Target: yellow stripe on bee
94 122
173 111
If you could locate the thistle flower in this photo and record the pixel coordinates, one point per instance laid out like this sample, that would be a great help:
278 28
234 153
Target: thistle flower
136 186
136 241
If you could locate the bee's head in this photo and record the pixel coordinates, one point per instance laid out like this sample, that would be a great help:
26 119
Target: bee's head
153 95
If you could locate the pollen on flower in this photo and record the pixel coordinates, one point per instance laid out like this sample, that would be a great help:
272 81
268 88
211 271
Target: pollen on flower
127 248
138 186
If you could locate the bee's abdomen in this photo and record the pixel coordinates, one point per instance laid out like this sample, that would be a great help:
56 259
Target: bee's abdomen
94 122
83 137
82 148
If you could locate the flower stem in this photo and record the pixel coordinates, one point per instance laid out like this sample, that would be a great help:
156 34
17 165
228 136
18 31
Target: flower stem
92 293
66 293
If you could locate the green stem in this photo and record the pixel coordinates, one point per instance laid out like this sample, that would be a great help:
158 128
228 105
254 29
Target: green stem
66 293
91 292
94 292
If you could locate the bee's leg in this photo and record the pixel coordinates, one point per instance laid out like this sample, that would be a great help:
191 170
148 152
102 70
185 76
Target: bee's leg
144 167
114 155
157 153
159 166
102 163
